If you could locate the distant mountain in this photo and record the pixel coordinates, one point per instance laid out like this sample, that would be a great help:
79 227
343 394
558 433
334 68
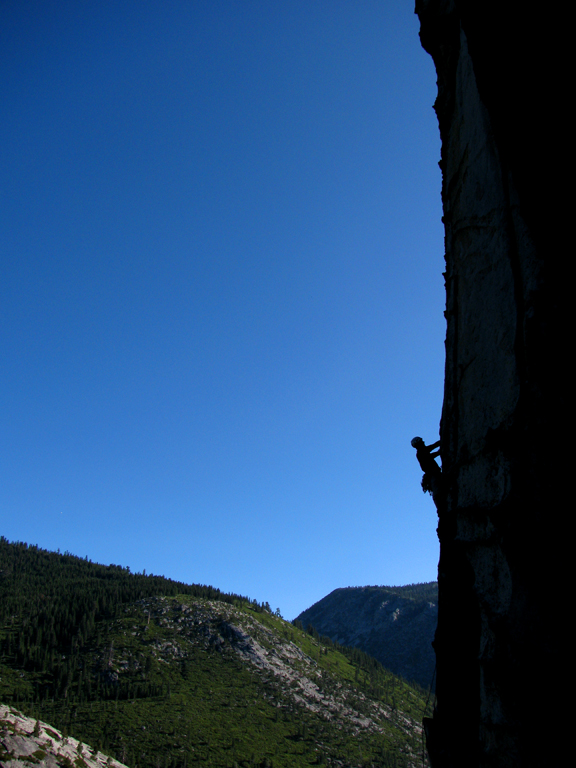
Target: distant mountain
156 673
396 625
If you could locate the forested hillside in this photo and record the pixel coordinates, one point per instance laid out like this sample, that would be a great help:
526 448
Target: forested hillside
158 673
50 604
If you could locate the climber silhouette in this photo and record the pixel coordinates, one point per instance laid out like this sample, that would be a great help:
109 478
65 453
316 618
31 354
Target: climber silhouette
432 479
425 456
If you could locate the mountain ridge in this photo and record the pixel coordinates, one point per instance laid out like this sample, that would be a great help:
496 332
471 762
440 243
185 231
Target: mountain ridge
395 625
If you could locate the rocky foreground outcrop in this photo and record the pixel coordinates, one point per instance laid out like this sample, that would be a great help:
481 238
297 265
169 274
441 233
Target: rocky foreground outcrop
25 742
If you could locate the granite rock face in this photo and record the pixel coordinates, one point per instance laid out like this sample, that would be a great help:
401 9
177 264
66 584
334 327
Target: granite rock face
504 452
25 742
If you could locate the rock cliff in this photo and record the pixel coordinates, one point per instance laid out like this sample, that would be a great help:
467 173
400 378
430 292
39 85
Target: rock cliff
504 451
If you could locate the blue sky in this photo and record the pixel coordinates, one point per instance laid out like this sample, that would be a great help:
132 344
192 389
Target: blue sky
221 296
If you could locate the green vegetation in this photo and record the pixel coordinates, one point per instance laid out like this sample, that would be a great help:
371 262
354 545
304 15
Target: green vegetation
162 674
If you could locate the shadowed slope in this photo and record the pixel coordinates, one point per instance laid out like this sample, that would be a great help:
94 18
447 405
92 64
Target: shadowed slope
385 622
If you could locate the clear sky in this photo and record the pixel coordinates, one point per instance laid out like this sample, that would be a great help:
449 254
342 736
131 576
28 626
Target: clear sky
221 289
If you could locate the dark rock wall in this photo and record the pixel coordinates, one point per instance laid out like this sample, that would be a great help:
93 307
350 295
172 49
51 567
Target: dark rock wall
504 443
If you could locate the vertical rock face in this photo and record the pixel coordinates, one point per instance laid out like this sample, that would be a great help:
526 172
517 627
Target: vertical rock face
506 391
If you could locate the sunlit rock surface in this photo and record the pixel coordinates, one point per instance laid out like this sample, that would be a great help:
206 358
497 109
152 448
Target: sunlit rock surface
25 742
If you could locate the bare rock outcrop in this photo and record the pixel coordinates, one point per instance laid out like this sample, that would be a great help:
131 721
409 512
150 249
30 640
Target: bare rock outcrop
25 742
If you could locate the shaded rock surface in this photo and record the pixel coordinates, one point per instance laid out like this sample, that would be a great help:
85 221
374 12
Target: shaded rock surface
396 630
505 450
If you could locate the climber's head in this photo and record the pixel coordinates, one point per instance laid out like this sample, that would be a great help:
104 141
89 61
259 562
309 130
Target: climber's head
416 442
